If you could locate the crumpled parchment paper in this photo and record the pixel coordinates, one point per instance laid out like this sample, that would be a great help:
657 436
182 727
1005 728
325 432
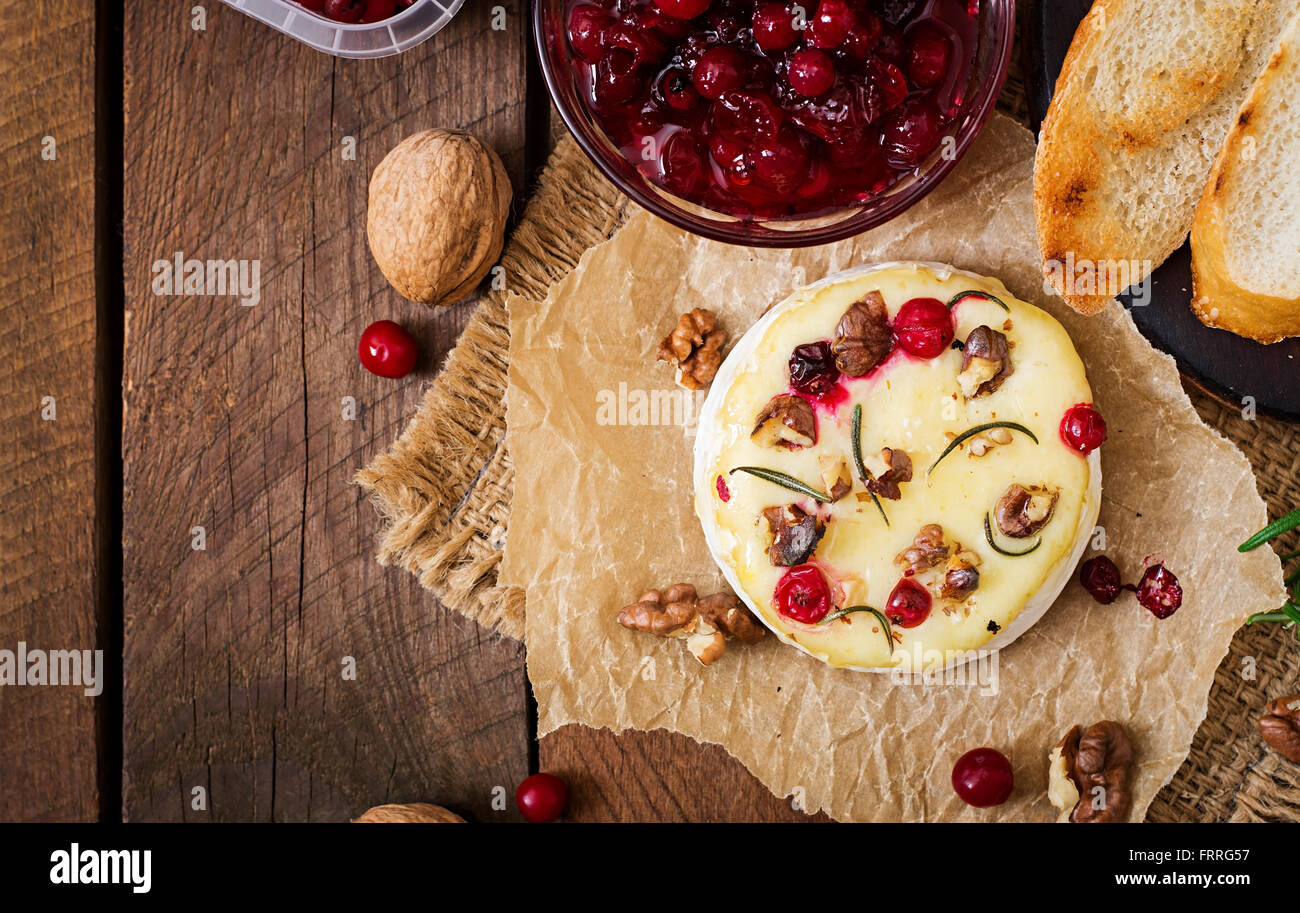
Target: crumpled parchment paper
602 511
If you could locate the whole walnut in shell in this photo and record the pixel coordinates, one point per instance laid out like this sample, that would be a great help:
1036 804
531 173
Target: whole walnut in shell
437 215
414 813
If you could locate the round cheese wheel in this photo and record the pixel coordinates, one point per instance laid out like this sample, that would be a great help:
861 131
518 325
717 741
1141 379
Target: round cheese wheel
916 405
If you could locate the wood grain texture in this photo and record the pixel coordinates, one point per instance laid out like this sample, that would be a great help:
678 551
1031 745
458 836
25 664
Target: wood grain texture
657 776
234 422
48 596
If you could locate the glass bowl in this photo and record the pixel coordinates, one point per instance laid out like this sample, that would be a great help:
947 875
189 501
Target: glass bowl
996 29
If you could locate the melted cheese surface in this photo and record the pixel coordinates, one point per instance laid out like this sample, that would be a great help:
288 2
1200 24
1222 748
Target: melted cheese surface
914 405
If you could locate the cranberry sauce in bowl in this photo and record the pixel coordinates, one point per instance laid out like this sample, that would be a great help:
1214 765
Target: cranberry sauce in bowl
774 122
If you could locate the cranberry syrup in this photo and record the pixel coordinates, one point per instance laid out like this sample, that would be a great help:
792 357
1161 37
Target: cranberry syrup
739 110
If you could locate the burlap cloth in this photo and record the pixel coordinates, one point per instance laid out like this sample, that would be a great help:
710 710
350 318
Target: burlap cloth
443 493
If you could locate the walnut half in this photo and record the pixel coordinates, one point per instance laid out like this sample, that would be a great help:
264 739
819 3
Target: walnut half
1088 774
1021 511
695 347
985 362
795 534
1280 726
705 624
863 337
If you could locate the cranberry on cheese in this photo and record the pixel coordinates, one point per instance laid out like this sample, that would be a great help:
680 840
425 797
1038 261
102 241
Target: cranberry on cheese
880 471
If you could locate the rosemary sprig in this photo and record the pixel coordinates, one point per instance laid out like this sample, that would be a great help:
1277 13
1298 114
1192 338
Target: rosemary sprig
1272 531
880 617
785 481
983 296
978 429
1290 612
858 463
988 534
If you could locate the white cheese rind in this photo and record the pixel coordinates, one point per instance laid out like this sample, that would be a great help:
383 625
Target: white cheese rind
724 543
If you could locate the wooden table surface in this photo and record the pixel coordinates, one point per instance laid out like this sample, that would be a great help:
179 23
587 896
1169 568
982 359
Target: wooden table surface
277 673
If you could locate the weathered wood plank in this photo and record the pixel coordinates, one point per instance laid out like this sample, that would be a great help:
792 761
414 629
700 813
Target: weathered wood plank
234 421
48 467
657 776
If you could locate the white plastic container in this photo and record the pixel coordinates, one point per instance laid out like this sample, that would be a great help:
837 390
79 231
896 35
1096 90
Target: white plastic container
370 39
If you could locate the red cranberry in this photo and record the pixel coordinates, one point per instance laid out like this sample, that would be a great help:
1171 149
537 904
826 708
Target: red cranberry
1083 429
782 164
773 27
862 38
677 91
541 797
387 349
924 327
616 83
746 117
724 493
811 72
720 69
812 369
830 25
927 57
909 604
683 9
1100 577
586 25
644 45
1159 591
682 164
803 594
983 778
890 80
911 133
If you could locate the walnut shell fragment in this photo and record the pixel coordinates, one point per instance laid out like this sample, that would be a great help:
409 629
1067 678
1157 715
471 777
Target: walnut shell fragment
413 813
1280 726
705 624
437 215
1088 774
1021 511
863 337
695 347
985 362
786 421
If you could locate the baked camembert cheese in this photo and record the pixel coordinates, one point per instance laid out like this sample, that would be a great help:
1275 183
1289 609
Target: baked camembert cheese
897 466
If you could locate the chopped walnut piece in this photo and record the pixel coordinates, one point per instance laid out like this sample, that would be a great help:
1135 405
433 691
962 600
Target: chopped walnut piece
927 550
863 337
795 534
961 578
695 347
1091 770
985 362
1280 726
1021 511
835 475
706 623
884 476
786 421
985 441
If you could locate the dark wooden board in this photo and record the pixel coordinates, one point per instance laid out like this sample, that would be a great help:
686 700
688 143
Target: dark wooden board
49 579
233 421
1227 366
658 776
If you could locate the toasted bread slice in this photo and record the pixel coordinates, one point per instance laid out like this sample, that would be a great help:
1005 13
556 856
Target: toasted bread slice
1144 101
1246 234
